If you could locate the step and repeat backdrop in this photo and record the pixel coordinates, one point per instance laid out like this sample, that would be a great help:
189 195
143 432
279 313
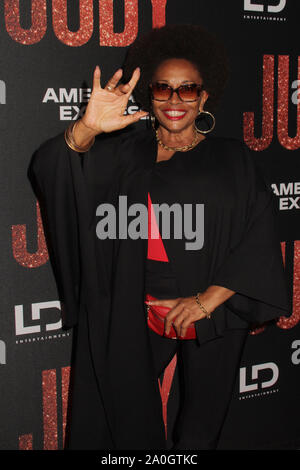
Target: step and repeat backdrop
49 49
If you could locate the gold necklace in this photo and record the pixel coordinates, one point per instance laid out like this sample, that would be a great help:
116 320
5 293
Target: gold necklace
178 149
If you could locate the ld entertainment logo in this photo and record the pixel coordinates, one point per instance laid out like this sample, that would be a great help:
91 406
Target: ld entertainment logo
267 11
28 326
263 376
250 6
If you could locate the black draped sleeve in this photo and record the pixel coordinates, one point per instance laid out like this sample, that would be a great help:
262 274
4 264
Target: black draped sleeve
253 266
50 173
63 181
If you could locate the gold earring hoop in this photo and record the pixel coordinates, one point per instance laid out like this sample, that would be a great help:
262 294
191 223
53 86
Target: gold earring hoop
198 119
153 121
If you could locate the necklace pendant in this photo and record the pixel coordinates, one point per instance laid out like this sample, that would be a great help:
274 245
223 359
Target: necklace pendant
177 149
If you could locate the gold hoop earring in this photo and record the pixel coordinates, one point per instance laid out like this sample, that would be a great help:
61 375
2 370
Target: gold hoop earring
153 121
199 119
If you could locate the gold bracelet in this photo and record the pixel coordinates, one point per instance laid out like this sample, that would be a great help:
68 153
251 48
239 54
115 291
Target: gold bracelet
201 306
71 142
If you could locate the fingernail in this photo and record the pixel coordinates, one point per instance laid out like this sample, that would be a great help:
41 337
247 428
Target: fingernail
148 302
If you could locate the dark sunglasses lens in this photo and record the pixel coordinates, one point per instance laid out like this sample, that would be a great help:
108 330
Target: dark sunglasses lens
160 91
188 92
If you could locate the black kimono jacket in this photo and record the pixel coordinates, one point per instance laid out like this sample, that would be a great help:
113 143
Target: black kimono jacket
101 282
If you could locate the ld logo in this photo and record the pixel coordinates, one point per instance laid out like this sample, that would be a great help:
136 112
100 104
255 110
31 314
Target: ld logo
36 309
270 366
249 6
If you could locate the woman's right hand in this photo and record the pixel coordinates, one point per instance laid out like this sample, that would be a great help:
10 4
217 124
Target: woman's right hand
106 107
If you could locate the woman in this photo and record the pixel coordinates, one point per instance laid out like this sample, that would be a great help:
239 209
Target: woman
207 291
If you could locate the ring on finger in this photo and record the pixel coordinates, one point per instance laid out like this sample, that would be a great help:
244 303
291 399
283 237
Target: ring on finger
109 87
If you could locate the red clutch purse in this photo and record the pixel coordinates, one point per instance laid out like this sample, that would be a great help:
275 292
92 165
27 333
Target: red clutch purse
156 321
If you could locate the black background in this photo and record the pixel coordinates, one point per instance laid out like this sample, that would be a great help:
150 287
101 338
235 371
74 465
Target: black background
268 421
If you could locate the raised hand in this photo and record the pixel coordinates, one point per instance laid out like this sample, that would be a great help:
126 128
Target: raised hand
106 107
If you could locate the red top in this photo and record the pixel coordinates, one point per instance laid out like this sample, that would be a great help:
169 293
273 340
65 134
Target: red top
157 252
156 249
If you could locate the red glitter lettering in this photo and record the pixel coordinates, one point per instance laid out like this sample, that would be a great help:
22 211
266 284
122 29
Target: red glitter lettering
158 13
25 442
60 23
49 409
38 21
286 323
264 141
19 245
290 322
86 18
290 143
107 35
65 380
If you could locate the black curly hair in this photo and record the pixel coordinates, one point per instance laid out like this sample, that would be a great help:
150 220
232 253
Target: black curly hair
190 42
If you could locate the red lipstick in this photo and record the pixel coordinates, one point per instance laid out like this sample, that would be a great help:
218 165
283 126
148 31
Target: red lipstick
174 114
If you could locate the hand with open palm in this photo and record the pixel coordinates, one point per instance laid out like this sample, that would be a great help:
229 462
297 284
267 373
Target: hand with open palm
106 107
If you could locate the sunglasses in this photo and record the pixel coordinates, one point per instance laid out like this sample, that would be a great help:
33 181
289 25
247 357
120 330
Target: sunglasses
164 92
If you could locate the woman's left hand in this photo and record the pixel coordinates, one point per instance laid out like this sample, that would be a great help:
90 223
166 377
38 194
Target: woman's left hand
184 311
